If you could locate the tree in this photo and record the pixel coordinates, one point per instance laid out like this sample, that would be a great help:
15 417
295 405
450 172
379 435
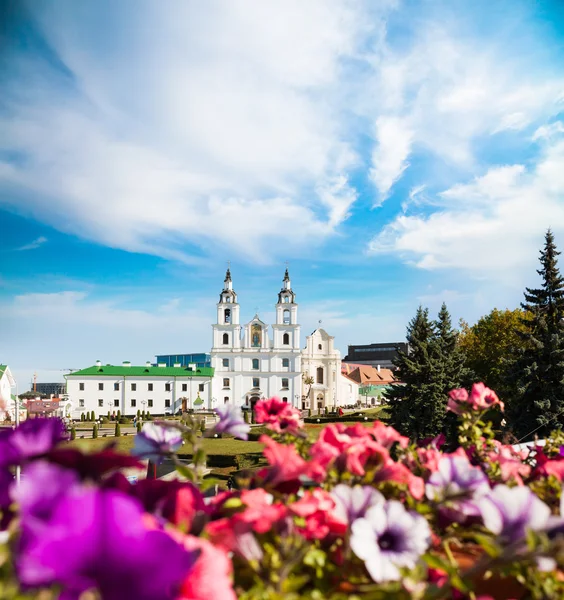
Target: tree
491 345
537 403
309 381
117 430
73 433
82 417
94 431
409 400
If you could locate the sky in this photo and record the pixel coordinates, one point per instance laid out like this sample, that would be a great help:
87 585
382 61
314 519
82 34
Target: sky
391 154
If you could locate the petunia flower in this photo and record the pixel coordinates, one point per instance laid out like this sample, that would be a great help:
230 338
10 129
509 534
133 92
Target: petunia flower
509 512
317 508
351 503
480 398
99 539
457 485
34 437
389 538
285 462
278 415
155 442
231 421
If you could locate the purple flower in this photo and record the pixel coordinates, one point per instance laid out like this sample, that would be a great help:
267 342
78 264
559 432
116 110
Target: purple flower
154 442
457 485
351 503
231 421
34 437
509 512
99 539
41 488
388 538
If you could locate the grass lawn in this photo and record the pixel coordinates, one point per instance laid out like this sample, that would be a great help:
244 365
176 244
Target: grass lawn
227 446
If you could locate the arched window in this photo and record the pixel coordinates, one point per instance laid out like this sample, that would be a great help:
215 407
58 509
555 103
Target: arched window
320 347
227 314
286 317
226 338
319 374
255 364
225 399
286 339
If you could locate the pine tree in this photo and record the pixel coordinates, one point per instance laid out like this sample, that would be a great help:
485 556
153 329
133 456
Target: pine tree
408 401
537 402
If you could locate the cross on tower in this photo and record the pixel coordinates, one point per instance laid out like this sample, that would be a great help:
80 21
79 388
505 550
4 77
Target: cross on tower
228 264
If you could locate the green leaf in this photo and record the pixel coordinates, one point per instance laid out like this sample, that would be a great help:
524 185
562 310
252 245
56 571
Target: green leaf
186 472
437 562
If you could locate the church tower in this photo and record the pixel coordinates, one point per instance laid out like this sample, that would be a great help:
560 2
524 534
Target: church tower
286 329
227 330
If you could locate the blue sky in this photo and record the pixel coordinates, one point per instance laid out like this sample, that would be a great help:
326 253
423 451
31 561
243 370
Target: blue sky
394 153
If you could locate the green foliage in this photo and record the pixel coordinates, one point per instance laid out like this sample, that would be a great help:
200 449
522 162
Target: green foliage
73 433
309 412
432 367
246 416
109 416
537 376
490 346
117 430
139 412
143 414
82 417
94 431
148 416
119 414
139 426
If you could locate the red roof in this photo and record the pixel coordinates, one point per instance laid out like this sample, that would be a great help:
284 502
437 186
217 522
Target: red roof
42 406
367 375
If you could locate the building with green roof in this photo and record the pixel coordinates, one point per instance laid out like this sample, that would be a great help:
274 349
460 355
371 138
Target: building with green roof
127 388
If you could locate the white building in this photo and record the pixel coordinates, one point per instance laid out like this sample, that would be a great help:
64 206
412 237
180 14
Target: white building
249 361
322 362
7 398
159 390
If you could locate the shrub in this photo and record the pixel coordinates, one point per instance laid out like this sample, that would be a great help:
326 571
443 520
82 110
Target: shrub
82 417
124 420
119 415
138 426
94 431
109 416
143 414
246 416
139 412
309 412
73 433
203 425
117 431
148 416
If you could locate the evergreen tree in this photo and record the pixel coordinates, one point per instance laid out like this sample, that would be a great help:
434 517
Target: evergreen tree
94 431
117 430
537 402
409 401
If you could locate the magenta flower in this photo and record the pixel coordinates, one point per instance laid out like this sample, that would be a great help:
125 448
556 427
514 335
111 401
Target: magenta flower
509 512
457 485
231 421
156 442
41 489
34 437
351 503
389 538
98 539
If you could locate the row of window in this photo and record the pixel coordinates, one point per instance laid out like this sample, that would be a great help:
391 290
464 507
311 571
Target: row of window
150 387
285 340
256 364
256 383
285 316
117 403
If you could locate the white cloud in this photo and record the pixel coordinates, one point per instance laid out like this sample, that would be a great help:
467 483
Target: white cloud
206 124
389 158
549 131
35 244
491 227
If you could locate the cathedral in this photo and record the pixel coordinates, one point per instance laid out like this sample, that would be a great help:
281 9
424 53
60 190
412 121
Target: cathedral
255 360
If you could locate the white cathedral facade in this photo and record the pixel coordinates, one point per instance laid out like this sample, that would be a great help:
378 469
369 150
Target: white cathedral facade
255 361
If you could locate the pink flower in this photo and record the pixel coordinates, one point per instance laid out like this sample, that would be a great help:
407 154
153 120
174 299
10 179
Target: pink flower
317 507
483 398
278 415
210 578
387 436
510 462
399 473
347 448
480 398
261 513
285 463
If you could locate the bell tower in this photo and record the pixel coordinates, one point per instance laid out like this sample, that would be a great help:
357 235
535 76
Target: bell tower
286 329
227 330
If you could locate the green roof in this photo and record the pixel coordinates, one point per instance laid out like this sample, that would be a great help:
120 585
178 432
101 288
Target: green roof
121 371
2 369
